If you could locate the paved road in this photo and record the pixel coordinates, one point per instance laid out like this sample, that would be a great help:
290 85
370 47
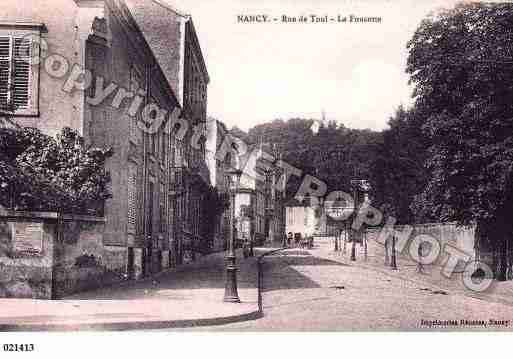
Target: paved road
309 291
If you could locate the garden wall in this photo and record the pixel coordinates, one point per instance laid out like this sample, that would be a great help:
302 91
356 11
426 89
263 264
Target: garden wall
446 234
41 257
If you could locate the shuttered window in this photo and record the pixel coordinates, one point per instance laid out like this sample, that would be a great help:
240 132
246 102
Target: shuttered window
5 70
132 199
15 72
162 207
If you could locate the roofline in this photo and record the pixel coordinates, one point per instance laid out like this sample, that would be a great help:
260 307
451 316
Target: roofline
24 25
188 18
170 7
221 124
200 52
126 12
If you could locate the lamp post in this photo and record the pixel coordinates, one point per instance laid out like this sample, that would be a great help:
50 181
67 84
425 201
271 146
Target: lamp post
359 186
230 292
355 213
393 262
345 238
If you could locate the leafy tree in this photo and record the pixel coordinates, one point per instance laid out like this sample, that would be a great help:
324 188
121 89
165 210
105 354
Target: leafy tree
398 172
461 63
39 172
335 154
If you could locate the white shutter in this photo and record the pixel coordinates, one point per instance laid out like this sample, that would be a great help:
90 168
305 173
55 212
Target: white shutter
5 69
22 72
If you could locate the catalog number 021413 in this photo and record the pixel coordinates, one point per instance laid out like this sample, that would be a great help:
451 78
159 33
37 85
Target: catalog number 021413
18 347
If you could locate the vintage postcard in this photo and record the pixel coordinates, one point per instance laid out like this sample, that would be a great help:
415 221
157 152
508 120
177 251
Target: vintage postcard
255 166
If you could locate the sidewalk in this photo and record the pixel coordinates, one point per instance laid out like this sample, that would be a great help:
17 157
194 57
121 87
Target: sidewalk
187 296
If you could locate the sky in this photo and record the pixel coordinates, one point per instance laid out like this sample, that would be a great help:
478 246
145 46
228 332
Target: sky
355 73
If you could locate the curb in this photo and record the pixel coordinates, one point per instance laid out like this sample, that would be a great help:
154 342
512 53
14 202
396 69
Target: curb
132 325
257 313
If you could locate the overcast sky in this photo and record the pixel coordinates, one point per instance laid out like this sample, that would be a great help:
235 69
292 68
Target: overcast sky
259 72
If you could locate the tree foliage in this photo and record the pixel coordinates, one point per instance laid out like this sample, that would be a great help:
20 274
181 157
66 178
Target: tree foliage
461 63
39 172
335 154
398 172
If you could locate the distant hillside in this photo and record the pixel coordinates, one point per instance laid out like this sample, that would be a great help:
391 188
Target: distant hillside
392 159
335 154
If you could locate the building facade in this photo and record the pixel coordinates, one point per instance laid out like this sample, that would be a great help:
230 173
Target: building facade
259 205
218 167
172 37
102 74
309 218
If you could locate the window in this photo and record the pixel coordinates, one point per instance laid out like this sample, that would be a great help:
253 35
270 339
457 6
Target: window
18 77
153 136
132 199
163 148
162 202
135 85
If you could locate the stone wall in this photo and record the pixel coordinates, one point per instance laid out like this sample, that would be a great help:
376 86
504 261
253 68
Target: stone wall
26 275
70 258
446 234
82 262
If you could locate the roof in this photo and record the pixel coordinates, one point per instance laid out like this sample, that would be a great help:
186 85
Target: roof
222 126
170 7
196 42
166 30
188 19
306 202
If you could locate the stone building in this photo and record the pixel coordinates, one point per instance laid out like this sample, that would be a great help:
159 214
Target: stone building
218 166
310 218
259 203
273 193
172 38
103 71
301 218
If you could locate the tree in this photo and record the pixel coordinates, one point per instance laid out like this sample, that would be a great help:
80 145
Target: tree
39 172
398 172
461 63
335 154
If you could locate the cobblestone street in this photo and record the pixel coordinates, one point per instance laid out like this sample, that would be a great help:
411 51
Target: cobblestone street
319 291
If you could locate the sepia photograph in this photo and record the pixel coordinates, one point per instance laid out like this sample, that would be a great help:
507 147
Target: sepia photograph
175 167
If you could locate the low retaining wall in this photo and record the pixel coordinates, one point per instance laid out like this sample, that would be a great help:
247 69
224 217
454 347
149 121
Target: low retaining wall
46 258
446 234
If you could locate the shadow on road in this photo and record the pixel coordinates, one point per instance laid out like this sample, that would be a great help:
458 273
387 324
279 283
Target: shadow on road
280 274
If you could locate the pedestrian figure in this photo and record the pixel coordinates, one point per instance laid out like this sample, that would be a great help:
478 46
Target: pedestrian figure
297 239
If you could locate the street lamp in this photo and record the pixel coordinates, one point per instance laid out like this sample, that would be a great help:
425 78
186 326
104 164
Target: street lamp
230 292
355 184
363 186
393 262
